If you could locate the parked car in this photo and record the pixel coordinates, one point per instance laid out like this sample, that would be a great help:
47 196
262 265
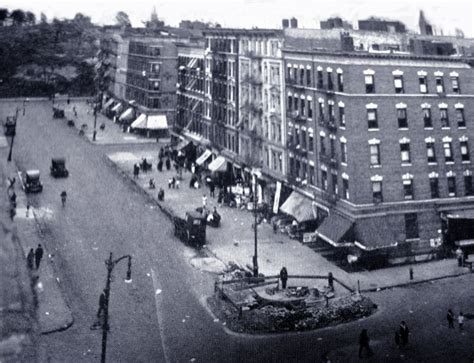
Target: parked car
58 168
32 181
191 229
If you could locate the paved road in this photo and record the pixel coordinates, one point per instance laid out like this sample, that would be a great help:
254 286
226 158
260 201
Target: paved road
104 213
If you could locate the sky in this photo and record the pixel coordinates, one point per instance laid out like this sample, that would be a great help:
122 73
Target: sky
443 14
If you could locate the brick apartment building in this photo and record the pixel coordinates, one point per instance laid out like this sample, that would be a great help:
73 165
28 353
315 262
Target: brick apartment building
382 143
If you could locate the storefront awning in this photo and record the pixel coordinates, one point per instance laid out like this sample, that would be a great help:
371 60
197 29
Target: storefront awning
109 103
200 160
333 229
117 107
374 233
137 124
218 164
464 242
156 122
299 207
462 214
127 115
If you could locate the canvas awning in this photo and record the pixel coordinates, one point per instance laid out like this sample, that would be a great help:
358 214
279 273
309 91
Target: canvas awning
156 122
299 207
109 103
218 164
374 233
333 229
126 115
117 107
200 160
139 121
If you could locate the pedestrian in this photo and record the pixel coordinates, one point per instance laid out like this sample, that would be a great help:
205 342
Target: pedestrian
136 170
27 210
397 339
68 101
170 183
204 201
461 320
38 255
364 341
459 256
283 277
74 110
220 197
30 259
102 303
404 332
168 163
212 189
173 182
177 183
193 168
160 165
450 318
161 195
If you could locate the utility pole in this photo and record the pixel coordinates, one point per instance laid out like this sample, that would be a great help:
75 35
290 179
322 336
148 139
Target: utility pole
105 325
255 255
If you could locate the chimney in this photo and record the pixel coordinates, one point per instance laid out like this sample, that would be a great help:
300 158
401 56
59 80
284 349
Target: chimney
293 23
285 23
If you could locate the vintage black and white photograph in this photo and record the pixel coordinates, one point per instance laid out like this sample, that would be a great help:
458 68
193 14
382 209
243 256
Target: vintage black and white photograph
236 181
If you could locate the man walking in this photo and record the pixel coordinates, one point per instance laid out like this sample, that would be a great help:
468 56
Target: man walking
283 277
461 320
450 318
38 255
404 331
30 259
364 343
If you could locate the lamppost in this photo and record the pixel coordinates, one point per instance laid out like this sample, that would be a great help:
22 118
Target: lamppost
255 205
11 131
110 263
95 121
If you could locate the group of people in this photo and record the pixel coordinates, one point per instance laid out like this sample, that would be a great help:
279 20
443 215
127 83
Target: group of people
33 259
450 317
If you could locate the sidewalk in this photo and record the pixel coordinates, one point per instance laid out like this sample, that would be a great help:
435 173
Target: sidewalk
234 240
53 311
112 134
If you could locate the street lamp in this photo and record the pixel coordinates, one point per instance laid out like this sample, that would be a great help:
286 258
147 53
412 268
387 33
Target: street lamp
110 263
255 255
11 131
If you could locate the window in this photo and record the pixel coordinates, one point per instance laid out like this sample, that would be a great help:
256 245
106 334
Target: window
377 192
332 146
408 189
322 143
310 109
290 102
345 188
321 110
324 179
302 107
423 84
455 84
303 139
427 121
464 150
448 152
405 152
402 118
374 154
343 152
302 74
468 187
372 118
439 84
460 117
434 187
334 183
330 83
331 114
411 226
288 73
369 83
311 175
452 186
295 103
340 82
310 141
342 115
430 152
320 79
444 117
308 77
398 83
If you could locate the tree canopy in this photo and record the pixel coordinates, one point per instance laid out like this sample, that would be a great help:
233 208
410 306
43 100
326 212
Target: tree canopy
123 19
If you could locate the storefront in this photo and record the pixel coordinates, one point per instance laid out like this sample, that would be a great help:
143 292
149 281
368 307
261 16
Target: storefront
460 230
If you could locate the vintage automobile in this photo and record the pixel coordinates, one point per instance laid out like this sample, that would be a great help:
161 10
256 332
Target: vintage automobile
32 181
191 229
10 126
58 112
58 168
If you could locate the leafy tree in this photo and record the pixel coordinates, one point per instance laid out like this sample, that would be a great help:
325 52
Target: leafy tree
4 14
123 19
18 16
30 18
43 18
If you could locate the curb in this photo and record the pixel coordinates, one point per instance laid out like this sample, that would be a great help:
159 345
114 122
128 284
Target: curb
405 284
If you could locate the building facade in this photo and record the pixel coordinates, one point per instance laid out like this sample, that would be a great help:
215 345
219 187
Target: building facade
382 143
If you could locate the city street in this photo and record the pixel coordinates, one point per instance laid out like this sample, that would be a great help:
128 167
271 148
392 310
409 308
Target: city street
161 316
